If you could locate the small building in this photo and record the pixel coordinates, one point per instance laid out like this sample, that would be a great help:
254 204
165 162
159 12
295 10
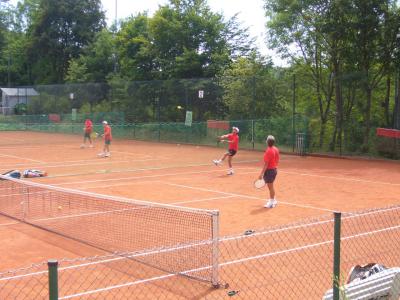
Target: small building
14 96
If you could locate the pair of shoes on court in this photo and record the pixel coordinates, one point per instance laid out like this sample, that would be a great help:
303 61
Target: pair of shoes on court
230 172
271 203
217 162
84 146
102 154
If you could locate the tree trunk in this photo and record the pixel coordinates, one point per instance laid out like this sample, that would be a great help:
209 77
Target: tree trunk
387 101
337 136
367 119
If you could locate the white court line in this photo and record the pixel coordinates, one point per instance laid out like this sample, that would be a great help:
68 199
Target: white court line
247 196
11 223
227 263
341 178
96 213
139 177
138 170
102 162
12 139
204 199
23 158
131 153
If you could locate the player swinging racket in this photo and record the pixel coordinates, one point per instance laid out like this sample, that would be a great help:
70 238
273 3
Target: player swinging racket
107 140
269 170
87 133
233 140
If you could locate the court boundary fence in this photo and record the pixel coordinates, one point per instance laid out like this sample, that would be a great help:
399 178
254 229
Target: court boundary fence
300 260
253 133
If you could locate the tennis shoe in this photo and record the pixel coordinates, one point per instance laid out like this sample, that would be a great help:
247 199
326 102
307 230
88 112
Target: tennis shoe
91 146
101 154
230 172
82 146
271 203
107 154
217 162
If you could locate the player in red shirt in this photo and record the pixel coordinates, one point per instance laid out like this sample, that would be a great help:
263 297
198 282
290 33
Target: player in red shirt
87 132
233 140
269 170
107 140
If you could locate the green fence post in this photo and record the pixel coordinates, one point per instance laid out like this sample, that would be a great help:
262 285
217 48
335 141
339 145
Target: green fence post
53 279
294 113
336 255
252 133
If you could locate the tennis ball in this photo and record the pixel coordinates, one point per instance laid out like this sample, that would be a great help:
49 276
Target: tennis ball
60 207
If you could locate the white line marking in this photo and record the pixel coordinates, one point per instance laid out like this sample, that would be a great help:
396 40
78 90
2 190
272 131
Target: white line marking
98 162
11 223
23 158
341 178
132 153
205 199
147 176
247 196
136 177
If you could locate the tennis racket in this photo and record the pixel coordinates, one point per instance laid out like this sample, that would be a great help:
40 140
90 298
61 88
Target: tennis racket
259 183
94 135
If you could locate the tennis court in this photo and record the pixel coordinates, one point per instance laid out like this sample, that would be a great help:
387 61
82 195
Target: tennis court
309 189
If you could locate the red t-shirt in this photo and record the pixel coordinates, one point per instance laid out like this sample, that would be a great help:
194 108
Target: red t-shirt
271 157
107 133
234 139
88 126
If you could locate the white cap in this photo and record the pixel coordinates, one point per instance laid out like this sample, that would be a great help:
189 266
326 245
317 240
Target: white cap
270 138
105 122
236 129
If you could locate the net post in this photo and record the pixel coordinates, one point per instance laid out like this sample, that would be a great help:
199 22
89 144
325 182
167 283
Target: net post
53 279
215 248
336 255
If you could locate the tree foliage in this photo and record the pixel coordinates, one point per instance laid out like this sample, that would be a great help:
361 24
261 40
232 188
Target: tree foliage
58 33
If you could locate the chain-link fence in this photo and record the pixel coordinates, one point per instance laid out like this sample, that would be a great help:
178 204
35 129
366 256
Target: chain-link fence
341 117
295 261
253 133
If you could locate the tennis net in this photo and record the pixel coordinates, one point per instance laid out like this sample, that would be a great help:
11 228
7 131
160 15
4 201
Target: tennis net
120 225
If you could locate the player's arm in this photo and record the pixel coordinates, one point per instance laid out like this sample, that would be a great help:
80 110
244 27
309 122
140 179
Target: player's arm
263 170
266 160
224 138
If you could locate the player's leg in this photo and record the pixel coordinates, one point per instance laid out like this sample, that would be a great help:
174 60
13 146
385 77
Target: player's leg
219 161
102 154
271 190
107 148
84 140
269 178
231 154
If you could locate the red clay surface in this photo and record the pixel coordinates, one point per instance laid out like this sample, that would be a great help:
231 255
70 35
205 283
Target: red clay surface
184 175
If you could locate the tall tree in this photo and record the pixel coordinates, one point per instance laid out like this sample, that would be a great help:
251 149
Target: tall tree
184 39
58 33
96 61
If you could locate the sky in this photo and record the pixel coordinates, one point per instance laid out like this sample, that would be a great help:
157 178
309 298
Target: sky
251 15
